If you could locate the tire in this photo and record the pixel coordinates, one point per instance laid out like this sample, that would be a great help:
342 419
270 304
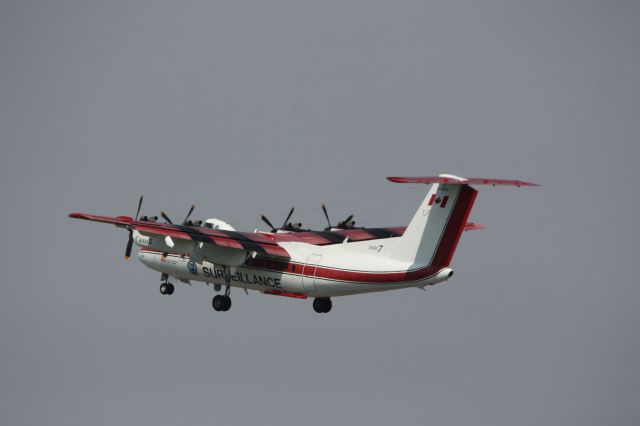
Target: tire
322 305
227 303
218 303
327 305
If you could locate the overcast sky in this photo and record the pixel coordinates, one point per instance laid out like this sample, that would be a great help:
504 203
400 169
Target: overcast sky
243 107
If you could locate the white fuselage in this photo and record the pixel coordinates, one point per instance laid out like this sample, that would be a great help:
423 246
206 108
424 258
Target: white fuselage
313 271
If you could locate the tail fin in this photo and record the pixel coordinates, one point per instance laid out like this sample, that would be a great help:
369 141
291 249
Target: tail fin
433 234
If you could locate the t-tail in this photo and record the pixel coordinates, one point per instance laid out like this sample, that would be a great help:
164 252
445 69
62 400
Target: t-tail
432 235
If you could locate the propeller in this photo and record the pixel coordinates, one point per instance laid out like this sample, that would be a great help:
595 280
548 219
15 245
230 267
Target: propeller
186 220
265 220
348 223
165 217
127 252
286 225
286 221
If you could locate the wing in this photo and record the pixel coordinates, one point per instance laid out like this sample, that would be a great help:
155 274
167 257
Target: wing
229 239
268 243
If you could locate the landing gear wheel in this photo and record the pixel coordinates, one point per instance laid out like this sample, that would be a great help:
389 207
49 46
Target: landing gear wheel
217 302
221 303
322 305
166 288
227 303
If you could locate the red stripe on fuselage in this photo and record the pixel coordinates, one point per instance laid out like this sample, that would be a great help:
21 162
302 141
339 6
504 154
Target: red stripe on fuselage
335 274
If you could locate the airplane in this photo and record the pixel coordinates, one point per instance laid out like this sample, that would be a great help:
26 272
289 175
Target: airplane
288 261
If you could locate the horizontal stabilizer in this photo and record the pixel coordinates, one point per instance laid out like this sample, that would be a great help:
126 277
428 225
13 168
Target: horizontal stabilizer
470 226
450 179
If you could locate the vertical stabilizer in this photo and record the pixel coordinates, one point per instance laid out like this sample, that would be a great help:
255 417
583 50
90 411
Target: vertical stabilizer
432 235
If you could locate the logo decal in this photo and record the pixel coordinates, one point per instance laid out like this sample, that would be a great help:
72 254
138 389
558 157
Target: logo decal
438 201
191 266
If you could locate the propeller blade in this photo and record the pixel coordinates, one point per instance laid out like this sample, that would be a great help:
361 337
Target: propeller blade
184 222
287 219
324 209
265 220
127 252
347 223
165 217
139 206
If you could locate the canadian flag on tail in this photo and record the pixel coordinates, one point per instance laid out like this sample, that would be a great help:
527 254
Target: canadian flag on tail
439 201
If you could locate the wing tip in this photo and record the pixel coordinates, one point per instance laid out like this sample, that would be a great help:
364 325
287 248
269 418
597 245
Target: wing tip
118 220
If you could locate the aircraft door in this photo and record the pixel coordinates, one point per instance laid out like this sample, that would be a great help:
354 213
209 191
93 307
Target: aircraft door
309 272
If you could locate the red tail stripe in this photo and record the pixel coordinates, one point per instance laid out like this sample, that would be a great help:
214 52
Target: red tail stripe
455 226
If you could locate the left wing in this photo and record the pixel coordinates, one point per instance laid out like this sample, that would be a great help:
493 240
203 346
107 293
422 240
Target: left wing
259 242
230 239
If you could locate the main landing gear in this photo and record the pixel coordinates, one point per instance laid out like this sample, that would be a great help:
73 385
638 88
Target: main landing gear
222 303
322 305
166 287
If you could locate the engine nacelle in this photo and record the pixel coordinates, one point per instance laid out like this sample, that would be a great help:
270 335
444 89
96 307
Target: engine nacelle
142 240
214 223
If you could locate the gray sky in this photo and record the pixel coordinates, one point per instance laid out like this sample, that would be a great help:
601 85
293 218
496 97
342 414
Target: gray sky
244 107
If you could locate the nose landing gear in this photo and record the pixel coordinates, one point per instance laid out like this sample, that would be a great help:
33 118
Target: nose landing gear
166 288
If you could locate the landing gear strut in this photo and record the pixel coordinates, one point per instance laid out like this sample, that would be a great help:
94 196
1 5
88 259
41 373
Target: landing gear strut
322 305
220 302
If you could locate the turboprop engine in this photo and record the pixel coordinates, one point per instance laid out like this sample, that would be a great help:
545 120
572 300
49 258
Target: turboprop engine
196 251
